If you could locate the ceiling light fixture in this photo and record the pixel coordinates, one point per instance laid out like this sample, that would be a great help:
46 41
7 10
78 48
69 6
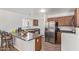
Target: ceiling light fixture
42 10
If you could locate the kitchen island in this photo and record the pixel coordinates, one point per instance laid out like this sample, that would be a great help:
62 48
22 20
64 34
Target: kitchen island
28 45
29 42
25 40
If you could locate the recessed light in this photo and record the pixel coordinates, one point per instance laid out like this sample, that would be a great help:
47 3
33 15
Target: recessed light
42 10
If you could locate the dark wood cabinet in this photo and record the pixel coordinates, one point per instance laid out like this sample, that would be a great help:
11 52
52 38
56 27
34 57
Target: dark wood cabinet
58 38
38 44
77 17
62 21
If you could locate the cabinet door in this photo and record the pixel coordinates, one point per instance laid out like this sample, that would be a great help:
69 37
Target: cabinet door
24 45
77 17
58 40
38 44
70 42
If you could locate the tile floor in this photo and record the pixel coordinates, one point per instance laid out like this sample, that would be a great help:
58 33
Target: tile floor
51 47
46 46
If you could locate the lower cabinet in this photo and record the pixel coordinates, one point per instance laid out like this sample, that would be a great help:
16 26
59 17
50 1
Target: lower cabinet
58 38
38 43
32 45
70 42
24 45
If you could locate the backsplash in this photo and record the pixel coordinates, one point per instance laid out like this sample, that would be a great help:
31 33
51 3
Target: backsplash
66 28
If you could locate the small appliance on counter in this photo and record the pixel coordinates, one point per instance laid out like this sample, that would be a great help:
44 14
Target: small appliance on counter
30 35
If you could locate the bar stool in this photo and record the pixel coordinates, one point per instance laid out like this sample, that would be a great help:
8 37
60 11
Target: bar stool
9 41
6 41
3 41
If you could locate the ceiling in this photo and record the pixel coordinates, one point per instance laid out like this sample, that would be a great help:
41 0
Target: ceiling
36 11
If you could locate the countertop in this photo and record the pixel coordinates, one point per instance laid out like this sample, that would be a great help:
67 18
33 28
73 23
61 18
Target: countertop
63 31
32 30
24 38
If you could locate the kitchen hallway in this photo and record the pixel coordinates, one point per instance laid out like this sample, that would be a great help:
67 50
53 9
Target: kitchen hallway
46 46
51 47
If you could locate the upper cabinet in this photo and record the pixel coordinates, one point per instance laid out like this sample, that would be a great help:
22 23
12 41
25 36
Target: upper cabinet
77 17
63 20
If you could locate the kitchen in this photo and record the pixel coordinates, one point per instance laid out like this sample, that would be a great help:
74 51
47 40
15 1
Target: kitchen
65 31
37 29
19 31
58 23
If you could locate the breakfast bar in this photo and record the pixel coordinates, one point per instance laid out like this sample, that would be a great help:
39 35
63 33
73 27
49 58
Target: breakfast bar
28 45
23 40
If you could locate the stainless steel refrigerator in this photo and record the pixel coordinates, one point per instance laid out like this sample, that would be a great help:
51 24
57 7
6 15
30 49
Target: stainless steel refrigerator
50 32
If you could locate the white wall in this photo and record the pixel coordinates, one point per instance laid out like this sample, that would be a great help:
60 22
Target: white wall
41 22
41 25
10 20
